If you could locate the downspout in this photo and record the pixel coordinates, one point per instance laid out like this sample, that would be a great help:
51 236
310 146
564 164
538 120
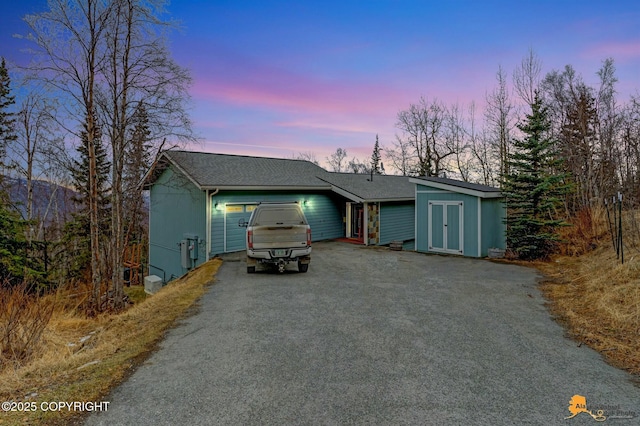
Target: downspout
208 221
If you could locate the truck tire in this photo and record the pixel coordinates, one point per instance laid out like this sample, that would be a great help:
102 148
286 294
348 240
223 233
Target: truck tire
303 267
251 269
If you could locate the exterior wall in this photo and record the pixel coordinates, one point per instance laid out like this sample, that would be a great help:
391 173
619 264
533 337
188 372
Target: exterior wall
397 222
324 211
176 208
493 226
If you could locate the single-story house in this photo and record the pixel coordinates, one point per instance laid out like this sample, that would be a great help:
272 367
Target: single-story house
458 217
198 202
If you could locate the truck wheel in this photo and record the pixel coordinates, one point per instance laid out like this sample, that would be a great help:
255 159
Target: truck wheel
303 267
251 269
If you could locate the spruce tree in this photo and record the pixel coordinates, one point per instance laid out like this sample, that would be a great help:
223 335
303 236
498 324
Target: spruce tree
533 188
12 241
7 117
375 158
77 235
136 164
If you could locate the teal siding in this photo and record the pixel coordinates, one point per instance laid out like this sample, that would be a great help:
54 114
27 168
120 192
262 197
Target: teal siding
493 226
323 210
176 208
397 222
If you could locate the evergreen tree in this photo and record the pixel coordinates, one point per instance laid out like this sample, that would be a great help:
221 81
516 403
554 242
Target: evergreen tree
13 259
12 241
375 158
136 164
77 235
533 188
7 117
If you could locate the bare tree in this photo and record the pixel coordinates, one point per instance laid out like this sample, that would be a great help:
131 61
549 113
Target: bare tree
499 120
307 156
69 41
336 160
526 77
422 131
139 74
34 131
357 166
399 156
456 139
609 120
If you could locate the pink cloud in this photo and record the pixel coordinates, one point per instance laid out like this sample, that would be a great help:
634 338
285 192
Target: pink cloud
620 51
280 89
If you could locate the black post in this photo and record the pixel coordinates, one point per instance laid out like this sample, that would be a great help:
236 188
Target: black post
620 228
615 224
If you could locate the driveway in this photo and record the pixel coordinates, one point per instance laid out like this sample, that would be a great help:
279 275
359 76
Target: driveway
371 336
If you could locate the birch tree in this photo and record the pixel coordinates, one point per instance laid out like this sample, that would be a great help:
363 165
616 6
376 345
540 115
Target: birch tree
69 48
499 118
139 76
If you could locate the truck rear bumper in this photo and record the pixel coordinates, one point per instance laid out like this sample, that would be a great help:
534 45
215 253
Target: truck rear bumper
268 255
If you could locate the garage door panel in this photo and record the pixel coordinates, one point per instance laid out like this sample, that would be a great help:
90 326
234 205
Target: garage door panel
235 235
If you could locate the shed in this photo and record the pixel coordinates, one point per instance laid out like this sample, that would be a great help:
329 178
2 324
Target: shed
458 217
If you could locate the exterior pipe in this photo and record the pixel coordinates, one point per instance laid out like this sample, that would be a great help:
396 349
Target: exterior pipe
208 221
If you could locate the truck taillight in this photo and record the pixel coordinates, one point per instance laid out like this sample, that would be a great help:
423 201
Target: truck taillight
308 237
250 239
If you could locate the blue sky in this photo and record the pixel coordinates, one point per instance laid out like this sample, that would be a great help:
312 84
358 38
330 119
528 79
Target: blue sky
276 78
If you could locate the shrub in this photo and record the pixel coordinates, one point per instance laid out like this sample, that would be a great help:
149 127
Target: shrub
23 318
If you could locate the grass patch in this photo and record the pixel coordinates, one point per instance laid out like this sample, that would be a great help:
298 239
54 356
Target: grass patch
135 293
595 296
84 358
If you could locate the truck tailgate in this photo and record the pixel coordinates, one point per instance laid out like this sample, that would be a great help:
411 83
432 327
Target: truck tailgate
268 237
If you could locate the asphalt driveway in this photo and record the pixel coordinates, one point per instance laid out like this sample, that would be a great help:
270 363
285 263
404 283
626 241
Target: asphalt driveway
371 336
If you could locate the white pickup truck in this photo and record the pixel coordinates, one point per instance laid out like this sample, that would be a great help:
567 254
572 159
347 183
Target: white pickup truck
277 234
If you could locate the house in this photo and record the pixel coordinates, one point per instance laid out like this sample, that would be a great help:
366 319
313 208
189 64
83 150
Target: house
199 202
458 217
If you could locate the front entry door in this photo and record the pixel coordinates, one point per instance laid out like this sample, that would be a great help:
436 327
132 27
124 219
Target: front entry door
357 219
446 226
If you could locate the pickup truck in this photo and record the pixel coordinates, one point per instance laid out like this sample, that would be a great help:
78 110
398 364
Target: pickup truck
277 234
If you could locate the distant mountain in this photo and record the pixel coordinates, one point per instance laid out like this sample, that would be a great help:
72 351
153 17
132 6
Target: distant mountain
51 202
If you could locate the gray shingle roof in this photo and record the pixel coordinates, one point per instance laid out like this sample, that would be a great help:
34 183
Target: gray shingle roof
474 189
223 171
382 187
208 170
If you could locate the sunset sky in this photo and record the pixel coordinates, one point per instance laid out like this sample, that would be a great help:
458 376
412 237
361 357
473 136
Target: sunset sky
278 78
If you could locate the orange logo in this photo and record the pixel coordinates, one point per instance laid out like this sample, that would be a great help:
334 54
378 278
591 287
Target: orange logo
578 404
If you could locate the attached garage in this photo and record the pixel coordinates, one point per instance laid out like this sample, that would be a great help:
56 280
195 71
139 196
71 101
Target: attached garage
454 217
230 209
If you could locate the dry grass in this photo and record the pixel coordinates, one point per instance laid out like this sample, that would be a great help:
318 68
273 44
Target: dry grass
83 358
595 296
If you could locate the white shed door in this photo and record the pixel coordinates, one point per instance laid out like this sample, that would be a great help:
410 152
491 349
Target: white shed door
446 226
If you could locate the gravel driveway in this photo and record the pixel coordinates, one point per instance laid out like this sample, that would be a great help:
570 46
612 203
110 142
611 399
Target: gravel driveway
371 336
